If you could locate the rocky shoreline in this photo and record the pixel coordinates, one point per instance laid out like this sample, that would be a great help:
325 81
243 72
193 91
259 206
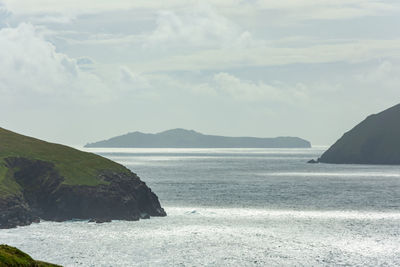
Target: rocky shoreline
44 196
53 182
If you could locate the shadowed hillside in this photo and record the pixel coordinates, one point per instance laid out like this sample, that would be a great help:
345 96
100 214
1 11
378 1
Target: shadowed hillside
376 140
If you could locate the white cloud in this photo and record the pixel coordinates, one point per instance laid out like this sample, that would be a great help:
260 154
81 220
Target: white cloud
4 14
384 76
31 67
229 86
299 9
329 9
154 62
246 90
132 81
84 61
176 32
51 18
263 55
198 26
206 35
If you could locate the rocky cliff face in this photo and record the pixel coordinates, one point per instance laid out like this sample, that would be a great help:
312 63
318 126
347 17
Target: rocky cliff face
43 195
15 212
376 140
41 180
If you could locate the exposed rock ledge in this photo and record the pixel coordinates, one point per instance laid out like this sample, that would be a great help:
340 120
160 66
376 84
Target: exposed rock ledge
44 196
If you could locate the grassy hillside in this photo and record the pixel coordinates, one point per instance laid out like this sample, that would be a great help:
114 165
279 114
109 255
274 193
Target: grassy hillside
76 167
10 256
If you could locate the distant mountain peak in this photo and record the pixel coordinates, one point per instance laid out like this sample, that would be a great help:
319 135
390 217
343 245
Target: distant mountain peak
179 131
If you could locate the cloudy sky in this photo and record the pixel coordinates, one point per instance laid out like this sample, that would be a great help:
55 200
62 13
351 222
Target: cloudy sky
76 71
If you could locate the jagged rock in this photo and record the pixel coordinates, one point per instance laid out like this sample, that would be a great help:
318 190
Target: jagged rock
100 220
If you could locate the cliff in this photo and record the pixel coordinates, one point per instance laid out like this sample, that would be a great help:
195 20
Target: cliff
41 180
181 138
376 140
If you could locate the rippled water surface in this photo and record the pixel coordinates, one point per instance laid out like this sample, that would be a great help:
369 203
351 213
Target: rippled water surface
237 207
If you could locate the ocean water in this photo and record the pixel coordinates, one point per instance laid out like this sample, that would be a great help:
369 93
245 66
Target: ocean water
237 207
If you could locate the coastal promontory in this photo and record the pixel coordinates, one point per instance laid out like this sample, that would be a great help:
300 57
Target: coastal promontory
41 180
376 140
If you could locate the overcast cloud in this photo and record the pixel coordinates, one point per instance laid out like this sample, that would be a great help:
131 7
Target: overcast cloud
78 71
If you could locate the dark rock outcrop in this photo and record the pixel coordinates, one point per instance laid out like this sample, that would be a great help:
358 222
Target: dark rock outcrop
100 220
15 212
123 197
376 140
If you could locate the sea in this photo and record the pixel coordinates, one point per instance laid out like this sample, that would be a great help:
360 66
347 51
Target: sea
237 207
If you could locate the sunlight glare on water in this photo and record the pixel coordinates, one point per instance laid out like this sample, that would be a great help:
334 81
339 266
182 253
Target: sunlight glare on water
239 207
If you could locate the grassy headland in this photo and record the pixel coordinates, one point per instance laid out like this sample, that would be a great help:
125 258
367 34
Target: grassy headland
76 167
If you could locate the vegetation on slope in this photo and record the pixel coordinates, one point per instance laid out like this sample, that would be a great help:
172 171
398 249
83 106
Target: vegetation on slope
76 167
10 256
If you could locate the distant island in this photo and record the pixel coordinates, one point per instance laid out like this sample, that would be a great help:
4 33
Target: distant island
41 180
181 138
376 140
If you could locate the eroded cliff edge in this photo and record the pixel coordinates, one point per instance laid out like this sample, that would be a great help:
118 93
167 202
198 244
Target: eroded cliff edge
40 180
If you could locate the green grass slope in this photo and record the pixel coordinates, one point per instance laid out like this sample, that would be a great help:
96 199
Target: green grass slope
76 167
10 256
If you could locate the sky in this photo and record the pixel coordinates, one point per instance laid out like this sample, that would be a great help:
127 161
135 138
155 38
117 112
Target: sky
74 71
